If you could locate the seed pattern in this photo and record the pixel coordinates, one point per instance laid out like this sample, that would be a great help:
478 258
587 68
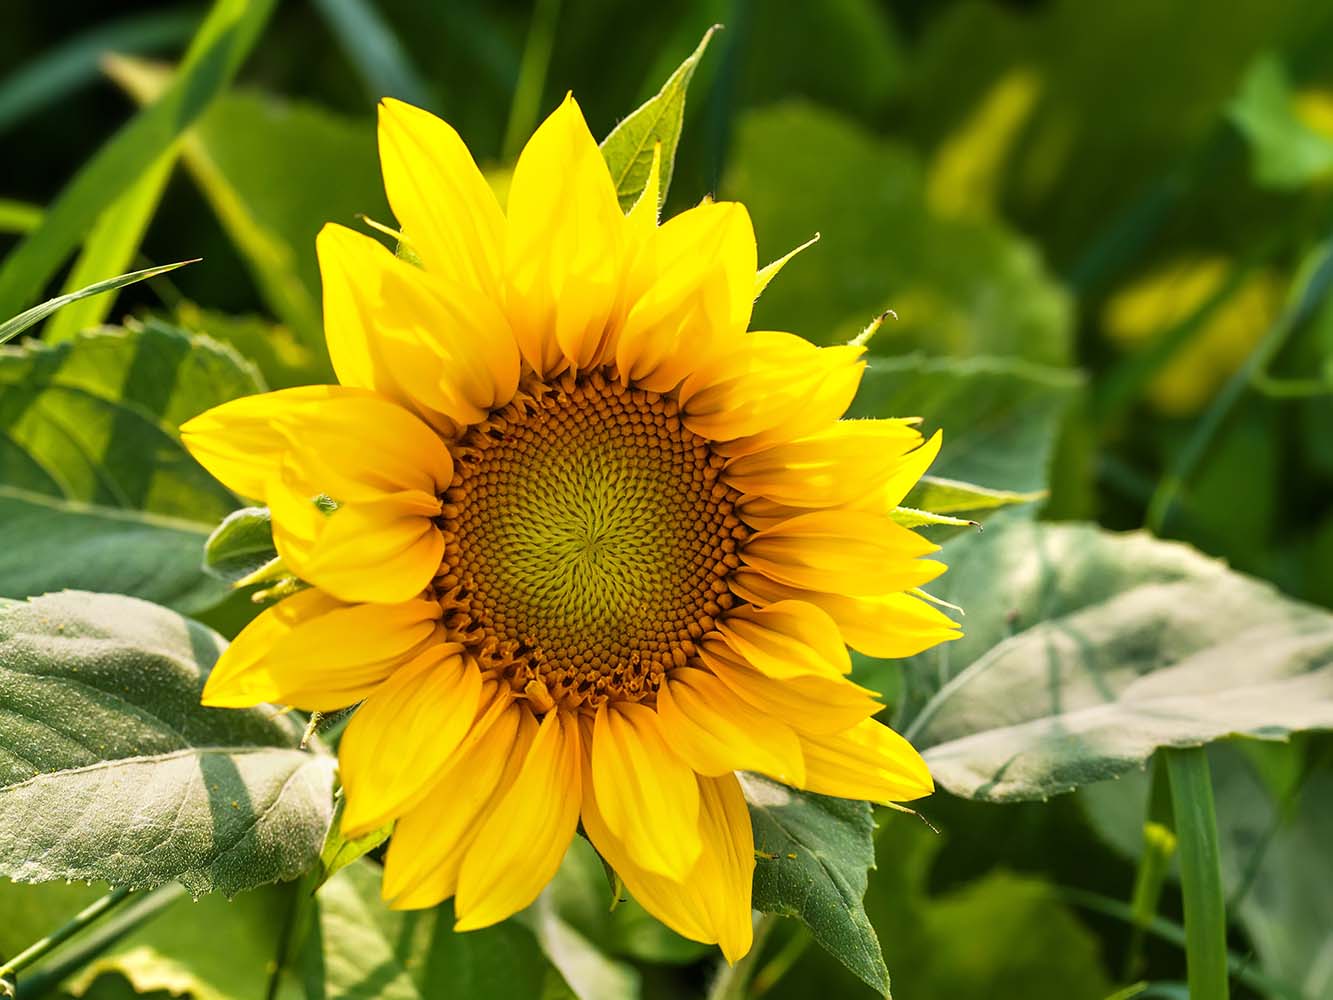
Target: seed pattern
588 541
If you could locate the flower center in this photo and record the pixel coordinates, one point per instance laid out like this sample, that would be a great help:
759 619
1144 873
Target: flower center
588 541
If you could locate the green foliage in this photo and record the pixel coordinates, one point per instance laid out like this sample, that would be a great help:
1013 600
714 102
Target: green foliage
813 853
1098 649
241 545
356 949
114 772
90 452
629 149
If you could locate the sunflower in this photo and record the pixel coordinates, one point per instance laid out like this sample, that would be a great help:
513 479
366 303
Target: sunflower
580 545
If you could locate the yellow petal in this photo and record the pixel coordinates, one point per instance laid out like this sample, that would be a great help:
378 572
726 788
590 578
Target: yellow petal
842 464
426 852
643 216
522 841
712 904
716 732
435 346
381 551
891 492
441 199
769 387
842 552
869 761
884 625
400 738
644 790
808 703
319 654
690 289
564 256
787 639
240 442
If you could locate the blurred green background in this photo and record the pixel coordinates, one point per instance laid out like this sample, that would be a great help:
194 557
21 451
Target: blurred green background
1117 214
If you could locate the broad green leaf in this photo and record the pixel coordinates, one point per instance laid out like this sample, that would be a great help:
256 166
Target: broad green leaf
11 328
359 949
628 150
241 544
1286 152
265 167
1000 418
111 247
995 936
581 896
1085 651
52 543
91 461
221 44
813 855
273 348
112 771
958 286
60 70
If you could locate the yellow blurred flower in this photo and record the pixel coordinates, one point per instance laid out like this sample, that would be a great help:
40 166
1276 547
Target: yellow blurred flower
1168 297
581 545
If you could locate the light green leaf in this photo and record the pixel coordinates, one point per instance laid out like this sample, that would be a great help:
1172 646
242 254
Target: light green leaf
1286 152
958 286
11 328
241 545
221 44
912 517
814 855
90 459
51 544
1000 419
110 247
359 949
264 166
628 150
949 496
112 771
1086 651
339 852
19 216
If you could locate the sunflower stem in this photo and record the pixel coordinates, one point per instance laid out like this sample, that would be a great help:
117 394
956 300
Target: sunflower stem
39 949
732 981
1200 873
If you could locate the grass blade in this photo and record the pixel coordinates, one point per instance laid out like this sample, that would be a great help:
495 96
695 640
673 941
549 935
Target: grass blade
225 38
13 327
56 74
375 50
1200 873
19 216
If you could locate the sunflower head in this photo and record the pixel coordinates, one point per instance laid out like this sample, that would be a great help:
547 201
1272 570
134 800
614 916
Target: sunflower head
580 544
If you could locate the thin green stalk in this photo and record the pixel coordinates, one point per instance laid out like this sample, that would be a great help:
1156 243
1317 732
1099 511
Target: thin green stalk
1159 847
86 917
732 981
1200 873
527 103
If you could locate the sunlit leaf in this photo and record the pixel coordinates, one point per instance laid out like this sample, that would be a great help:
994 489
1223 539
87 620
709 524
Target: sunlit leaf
241 544
123 777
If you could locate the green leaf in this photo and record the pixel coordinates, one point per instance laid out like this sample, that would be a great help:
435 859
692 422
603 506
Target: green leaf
111 246
339 852
1086 651
358 949
112 771
1000 419
19 216
958 286
263 165
1286 152
628 150
241 545
91 461
11 328
814 854
949 496
222 42
51 544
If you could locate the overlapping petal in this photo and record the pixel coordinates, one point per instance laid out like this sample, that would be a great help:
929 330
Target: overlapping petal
319 654
869 761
